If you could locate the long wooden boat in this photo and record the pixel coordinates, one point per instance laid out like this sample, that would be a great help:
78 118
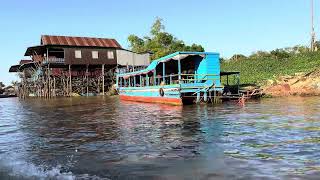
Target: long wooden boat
179 78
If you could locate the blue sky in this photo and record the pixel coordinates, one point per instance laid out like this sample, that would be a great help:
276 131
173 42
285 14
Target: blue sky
224 26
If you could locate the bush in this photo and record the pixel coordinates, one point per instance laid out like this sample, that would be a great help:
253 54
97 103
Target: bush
257 69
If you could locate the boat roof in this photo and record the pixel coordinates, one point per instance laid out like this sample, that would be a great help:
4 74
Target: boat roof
224 73
175 56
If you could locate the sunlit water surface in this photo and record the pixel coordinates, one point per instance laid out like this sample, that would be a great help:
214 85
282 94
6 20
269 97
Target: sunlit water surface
104 138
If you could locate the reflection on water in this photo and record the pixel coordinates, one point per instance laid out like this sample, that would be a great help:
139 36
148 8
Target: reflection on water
104 138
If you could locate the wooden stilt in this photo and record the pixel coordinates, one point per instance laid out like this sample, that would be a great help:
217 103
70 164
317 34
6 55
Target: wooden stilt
54 86
87 78
98 86
49 82
70 81
103 79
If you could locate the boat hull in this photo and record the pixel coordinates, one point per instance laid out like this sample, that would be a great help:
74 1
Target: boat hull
162 100
168 94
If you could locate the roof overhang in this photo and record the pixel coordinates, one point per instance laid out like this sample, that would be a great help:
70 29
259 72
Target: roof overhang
229 73
175 56
27 65
35 50
14 68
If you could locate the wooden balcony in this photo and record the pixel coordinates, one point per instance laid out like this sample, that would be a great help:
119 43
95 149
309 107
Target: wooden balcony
53 60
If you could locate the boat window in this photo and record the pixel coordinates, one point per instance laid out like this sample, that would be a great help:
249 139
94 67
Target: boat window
138 84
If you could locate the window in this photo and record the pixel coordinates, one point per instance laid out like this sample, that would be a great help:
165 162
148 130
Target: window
95 55
110 55
77 54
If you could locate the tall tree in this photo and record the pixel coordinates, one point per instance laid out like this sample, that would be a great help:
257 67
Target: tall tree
159 42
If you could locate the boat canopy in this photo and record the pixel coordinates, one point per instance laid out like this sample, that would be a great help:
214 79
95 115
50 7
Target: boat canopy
174 56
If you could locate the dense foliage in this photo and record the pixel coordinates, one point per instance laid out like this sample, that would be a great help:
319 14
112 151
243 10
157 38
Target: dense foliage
160 42
261 66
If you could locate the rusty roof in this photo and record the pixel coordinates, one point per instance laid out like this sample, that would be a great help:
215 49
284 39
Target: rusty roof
14 68
79 41
24 61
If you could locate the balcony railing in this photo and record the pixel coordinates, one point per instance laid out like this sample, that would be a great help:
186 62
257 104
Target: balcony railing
54 60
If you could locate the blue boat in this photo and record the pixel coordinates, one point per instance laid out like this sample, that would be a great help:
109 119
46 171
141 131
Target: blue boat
179 78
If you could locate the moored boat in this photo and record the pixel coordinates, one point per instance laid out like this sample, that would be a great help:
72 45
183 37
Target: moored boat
179 78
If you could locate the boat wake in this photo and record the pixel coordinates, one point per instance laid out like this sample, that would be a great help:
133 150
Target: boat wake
16 169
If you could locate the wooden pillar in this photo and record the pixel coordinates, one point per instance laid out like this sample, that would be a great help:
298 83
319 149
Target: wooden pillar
70 81
155 77
129 82
54 86
141 85
22 87
227 79
42 86
238 83
147 80
103 79
48 76
163 72
179 69
87 78
49 81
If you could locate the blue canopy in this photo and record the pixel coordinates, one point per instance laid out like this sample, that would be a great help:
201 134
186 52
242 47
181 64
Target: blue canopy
175 56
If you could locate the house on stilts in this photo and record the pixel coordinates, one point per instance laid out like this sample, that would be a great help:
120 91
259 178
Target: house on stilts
69 66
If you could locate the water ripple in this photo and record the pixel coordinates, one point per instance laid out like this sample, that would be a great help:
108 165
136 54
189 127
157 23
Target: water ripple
96 138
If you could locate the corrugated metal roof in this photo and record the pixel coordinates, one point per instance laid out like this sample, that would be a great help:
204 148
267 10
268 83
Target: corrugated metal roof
14 68
23 61
176 56
79 41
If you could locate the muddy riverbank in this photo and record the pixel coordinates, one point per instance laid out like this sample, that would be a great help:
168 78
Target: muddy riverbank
299 84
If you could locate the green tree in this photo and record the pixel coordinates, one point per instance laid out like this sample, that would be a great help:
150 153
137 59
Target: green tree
238 57
160 42
280 54
260 54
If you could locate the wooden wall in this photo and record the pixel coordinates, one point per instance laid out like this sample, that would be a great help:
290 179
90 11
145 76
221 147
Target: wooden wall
86 58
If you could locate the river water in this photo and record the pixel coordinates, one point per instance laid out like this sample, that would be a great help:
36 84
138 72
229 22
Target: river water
105 138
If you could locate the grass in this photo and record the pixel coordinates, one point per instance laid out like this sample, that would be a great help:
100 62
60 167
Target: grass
256 71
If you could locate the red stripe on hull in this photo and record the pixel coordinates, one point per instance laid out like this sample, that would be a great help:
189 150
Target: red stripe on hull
162 100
